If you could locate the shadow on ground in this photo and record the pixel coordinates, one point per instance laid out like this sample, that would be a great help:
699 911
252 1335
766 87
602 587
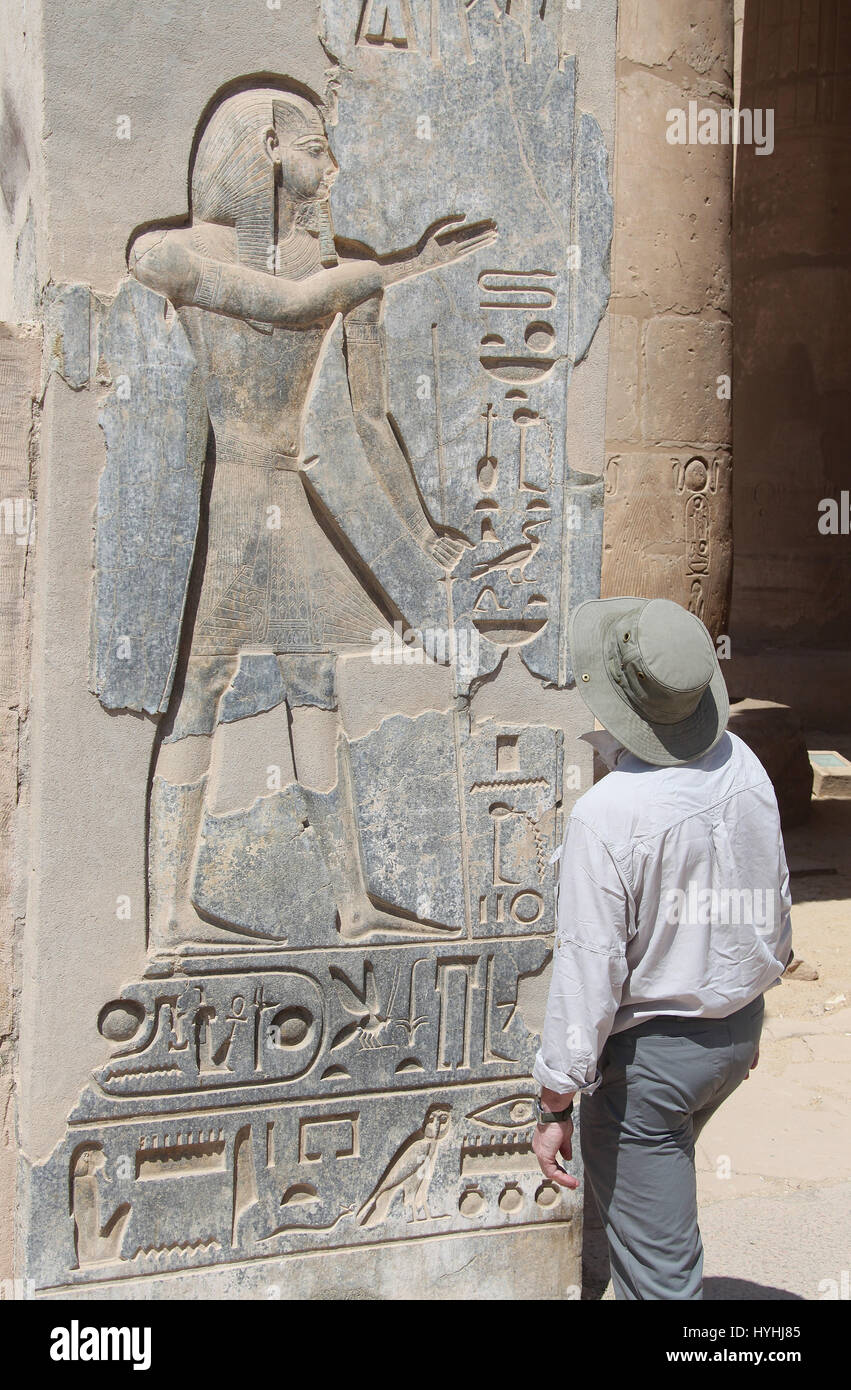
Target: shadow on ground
744 1291
817 852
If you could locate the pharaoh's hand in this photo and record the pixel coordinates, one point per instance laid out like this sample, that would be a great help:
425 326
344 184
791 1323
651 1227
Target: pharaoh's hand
446 550
451 239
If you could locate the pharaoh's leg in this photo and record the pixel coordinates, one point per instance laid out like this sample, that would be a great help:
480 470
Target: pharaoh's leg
321 756
177 799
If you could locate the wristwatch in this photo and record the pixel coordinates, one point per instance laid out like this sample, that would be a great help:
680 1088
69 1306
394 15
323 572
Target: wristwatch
552 1117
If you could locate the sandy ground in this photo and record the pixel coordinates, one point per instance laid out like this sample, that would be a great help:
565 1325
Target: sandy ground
774 1164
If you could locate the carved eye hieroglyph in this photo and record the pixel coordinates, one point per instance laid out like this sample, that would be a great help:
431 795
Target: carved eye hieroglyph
515 1112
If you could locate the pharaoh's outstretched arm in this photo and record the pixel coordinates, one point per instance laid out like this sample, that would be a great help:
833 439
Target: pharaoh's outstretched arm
168 265
367 369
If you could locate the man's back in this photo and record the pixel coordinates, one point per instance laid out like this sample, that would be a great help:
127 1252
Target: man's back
700 853
673 900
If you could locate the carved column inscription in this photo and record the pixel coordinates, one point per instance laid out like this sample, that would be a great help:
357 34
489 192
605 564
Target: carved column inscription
303 443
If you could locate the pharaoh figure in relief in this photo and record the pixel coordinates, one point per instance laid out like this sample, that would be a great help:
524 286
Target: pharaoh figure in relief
330 1043
257 281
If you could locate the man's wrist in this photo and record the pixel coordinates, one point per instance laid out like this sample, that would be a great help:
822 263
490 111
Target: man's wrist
554 1107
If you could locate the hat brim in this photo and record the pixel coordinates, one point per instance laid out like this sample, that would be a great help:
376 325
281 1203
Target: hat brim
664 745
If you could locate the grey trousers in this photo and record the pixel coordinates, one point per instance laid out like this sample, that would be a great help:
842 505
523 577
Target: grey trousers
661 1081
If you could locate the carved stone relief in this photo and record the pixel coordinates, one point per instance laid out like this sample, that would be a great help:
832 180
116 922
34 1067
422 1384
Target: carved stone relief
669 530
312 446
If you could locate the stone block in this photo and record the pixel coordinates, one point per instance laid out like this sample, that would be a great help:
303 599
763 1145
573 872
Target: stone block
683 361
625 367
671 251
665 33
774 733
831 775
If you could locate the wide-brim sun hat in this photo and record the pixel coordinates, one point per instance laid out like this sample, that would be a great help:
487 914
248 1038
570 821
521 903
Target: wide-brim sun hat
648 670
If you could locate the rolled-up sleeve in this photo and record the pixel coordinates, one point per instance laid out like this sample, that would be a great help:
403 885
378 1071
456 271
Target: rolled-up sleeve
595 912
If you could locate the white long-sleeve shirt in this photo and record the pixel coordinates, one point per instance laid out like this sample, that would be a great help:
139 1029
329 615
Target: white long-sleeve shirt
673 898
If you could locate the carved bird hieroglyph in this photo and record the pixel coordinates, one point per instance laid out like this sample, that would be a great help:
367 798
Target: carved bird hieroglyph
373 1025
515 560
410 1172
96 1241
370 1023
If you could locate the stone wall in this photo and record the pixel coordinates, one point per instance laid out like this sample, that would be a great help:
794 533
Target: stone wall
20 375
290 902
23 220
791 611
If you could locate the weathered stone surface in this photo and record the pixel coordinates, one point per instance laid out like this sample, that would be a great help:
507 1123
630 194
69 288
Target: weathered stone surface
625 362
148 501
673 257
684 358
20 367
22 204
324 1042
72 321
540 1260
20 354
668 529
660 38
775 734
405 776
260 684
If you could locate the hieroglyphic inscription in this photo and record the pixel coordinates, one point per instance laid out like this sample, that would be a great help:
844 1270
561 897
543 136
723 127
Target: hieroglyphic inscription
677 513
401 26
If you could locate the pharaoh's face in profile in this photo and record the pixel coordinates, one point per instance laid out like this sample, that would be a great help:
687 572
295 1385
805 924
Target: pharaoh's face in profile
263 159
307 166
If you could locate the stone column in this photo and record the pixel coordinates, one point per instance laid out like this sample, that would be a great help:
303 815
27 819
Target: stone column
303 725
667 530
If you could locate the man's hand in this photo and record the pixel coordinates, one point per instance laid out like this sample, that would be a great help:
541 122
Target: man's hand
547 1143
448 240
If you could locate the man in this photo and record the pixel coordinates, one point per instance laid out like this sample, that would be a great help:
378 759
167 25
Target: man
673 919
257 280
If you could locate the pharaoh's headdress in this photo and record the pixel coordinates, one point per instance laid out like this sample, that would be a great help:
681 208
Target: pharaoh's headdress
233 180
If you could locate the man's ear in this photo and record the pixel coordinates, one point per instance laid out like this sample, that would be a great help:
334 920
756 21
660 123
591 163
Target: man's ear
272 145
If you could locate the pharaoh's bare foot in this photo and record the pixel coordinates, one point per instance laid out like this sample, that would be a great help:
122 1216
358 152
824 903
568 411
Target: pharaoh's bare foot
363 919
446 550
